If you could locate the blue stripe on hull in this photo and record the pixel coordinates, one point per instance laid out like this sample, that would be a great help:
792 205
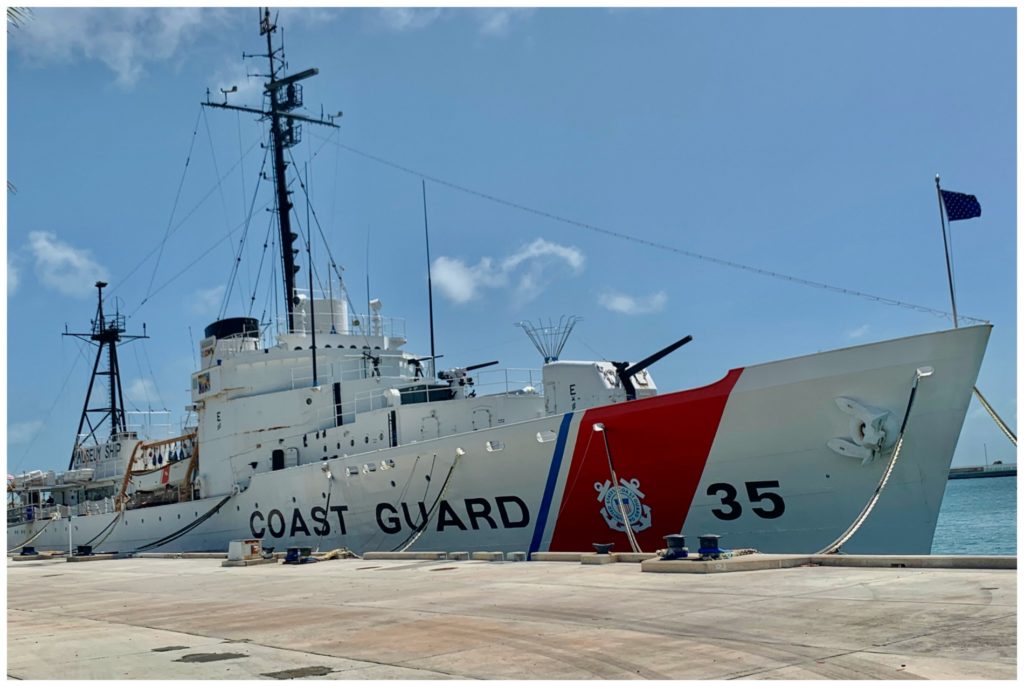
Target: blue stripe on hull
549 488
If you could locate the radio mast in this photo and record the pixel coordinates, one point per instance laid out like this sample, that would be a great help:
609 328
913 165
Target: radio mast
284 94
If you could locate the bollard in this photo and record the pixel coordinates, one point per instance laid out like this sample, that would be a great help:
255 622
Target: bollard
675 547
709 549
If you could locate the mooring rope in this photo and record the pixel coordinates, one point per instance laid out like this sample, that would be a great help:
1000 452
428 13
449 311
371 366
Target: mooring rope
32 538
109 529
416 533
186 529
859 520
615 486
995 417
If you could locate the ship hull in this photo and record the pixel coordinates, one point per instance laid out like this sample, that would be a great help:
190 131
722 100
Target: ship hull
746 458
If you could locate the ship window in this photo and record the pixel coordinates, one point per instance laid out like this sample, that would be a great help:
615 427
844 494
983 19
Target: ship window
546 436
493 446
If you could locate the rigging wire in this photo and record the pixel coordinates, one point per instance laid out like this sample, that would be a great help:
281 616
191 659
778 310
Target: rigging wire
178 226
56 399
259 271
190 265
174 207
241 242
142 377
655 244
238 123
156 388
216 171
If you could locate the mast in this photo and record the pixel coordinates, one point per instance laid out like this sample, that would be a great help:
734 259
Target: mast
106 334
285 95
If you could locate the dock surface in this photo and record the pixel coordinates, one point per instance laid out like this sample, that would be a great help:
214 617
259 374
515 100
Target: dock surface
424 619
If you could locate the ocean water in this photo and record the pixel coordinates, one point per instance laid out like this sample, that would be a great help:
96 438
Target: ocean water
978 516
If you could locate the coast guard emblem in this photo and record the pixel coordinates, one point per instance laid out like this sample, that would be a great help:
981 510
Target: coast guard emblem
629 494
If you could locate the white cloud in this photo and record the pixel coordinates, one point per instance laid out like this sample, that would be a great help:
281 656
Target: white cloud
527 271
633 305
496 22
59 265
208 301
124 39
489 21
405 18
293 18
13 276
859 332
142 391
22 432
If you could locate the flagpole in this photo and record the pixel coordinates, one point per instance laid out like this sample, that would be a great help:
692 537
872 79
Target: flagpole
945 245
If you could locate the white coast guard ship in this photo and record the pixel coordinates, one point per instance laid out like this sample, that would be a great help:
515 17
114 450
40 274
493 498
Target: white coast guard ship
330 434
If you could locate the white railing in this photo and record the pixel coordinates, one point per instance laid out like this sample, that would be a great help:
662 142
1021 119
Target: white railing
32 512
354 369
358 325
512 380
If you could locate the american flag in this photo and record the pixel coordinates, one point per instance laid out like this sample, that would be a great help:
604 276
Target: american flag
960 205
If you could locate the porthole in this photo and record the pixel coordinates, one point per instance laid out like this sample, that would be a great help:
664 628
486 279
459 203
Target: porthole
366 439
256 505
179 516
323 494
293 499
392 483
298 348
309 401
382 436
428 477
238 508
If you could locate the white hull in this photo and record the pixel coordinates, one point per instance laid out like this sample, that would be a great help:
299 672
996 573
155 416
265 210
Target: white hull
763 424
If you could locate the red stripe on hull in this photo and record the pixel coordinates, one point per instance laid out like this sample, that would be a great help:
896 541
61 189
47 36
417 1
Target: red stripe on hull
663 443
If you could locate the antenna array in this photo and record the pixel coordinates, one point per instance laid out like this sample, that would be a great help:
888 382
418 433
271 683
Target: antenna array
550 338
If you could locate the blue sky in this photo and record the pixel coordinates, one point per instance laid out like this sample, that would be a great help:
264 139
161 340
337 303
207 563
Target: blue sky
799 141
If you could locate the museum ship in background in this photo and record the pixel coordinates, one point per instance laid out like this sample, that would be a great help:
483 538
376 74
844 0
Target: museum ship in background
328 433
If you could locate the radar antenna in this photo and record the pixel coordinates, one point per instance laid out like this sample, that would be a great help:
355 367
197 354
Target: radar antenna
550 338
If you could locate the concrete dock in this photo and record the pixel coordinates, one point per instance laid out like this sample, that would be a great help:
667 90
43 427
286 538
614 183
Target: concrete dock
160 618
